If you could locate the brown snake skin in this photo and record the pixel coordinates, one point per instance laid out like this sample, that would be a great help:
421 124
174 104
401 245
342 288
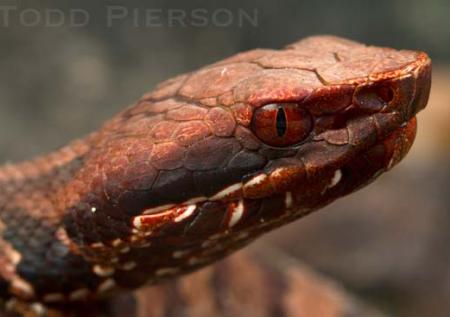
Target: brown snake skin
201 166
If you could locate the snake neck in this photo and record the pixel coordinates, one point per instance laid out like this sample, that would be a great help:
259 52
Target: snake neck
33 185
33 242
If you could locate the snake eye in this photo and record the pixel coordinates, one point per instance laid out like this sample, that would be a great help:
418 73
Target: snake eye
281 124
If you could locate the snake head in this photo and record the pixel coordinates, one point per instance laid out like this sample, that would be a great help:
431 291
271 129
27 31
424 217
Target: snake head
210 160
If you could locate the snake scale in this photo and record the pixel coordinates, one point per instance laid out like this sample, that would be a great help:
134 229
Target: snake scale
204 164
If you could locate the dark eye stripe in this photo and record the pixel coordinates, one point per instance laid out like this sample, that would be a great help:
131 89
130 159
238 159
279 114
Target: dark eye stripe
281 122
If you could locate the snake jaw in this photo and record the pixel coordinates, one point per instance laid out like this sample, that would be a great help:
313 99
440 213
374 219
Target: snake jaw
243 222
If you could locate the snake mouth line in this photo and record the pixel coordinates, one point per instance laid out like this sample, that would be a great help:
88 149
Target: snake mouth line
386 153
399 142
377 159
363 169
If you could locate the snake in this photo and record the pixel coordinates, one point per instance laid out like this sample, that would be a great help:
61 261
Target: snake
204 164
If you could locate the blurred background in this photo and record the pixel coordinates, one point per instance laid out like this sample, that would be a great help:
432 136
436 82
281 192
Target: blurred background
65 68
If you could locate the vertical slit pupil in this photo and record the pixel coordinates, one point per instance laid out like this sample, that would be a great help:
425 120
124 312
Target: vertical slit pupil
281 122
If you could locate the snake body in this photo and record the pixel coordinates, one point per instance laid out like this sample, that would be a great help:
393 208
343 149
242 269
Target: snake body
204 164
